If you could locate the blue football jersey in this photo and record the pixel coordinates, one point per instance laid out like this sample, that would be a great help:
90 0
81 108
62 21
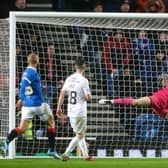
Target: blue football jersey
30 88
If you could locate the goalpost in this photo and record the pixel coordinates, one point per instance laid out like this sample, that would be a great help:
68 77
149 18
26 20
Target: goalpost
125 55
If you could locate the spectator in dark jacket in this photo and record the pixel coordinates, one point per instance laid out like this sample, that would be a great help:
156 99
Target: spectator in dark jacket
116 53
52 73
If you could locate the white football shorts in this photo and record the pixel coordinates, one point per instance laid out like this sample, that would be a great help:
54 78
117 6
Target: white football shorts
78 124
44 112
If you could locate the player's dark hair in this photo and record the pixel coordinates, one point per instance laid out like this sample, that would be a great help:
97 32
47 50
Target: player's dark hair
80 62
50 44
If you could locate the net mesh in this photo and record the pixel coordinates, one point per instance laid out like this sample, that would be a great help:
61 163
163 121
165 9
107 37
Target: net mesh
124 57
4 76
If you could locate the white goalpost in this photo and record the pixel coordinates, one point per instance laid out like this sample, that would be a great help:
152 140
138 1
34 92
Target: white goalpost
125 55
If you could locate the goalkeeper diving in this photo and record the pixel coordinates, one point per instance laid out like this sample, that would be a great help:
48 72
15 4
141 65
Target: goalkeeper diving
158 101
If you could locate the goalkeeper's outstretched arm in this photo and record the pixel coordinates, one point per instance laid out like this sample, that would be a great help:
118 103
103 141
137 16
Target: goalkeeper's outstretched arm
158 100
151 101
144 101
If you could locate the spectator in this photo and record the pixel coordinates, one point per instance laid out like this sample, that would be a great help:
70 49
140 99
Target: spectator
18 5
127 85
33 44
161 62
143 45
143 54
161 65
52 73
98 7
127 6
154 6
162 42
21 62
116 53
92 50
119 5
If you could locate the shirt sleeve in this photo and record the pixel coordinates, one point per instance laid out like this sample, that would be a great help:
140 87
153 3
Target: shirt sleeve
86 88
25 86
65 86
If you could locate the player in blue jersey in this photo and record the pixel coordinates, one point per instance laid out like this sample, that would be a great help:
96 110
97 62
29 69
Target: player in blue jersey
31 103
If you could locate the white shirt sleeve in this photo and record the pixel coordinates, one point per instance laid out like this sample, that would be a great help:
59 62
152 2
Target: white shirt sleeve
65 86
86 88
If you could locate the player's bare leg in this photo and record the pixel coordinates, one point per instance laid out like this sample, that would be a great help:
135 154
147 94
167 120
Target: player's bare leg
24 125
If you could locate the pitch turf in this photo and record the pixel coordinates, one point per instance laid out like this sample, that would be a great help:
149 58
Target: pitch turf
78 163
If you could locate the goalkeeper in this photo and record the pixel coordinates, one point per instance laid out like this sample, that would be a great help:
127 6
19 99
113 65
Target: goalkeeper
31 103
158 101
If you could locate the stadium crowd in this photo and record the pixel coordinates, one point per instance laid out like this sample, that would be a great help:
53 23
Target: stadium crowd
111 6
154 6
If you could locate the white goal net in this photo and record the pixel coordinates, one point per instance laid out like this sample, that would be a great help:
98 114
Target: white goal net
4 78
125 55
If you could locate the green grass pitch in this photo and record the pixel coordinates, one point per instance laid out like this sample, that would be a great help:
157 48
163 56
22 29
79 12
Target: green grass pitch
78 163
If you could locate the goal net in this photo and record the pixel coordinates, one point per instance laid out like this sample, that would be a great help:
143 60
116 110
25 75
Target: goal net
4 78
125 56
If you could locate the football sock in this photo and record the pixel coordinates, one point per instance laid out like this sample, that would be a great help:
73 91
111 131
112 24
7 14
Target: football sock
83 147
74 142
14 133
51 138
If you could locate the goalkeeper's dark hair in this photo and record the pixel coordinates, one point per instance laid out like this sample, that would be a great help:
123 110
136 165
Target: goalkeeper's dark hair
80 63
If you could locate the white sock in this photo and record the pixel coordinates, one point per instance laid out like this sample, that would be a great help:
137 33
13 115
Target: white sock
83 147
74 142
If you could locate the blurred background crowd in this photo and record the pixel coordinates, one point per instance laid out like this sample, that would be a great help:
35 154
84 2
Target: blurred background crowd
84 6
